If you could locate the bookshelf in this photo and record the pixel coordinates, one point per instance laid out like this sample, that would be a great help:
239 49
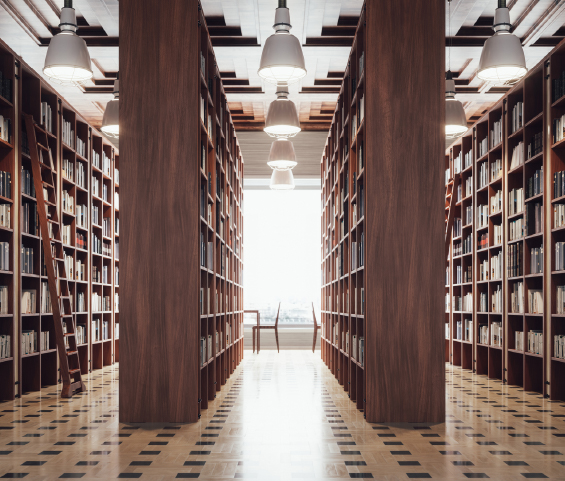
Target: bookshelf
71 141
518 344
361 174
192 310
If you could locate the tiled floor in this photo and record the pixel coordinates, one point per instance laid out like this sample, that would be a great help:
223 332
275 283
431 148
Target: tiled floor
283 417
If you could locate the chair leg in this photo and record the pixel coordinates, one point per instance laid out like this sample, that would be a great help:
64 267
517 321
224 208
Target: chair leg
277 338
315 337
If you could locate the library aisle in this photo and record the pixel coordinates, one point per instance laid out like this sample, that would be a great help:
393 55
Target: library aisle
283 417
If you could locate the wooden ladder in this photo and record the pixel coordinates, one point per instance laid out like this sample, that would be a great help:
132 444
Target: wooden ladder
450 201
61 300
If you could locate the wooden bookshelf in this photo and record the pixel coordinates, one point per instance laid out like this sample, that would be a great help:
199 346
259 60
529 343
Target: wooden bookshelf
363 254
71 152
192 287
529 236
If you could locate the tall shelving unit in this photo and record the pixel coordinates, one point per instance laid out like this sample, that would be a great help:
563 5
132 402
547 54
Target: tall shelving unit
221 231
524 232
343 273
72 143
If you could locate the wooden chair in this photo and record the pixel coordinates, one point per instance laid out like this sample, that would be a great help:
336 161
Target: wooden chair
257 331
316 329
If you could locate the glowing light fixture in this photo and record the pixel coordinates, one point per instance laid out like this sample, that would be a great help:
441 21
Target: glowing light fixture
111 118
282 179
67 59
282 117
502 58
282 59
282 155
455 118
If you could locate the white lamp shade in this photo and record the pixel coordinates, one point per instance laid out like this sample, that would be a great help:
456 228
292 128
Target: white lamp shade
282 180
282 59
282 119
455 118
67 58
282 155
111 119
502 58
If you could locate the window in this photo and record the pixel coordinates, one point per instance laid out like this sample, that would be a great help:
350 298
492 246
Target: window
282 237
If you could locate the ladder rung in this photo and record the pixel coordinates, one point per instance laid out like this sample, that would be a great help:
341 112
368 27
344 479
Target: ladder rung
47 184
66 315
70 353
68 334
73 371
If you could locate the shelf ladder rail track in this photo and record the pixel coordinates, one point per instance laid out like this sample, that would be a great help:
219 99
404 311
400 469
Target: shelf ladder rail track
65 331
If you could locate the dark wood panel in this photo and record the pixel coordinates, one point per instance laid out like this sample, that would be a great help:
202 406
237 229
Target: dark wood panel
160 193
404 211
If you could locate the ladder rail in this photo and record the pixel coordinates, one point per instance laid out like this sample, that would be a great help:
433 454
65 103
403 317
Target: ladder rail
451 215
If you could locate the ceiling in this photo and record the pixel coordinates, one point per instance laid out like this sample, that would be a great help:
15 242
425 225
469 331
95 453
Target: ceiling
239 28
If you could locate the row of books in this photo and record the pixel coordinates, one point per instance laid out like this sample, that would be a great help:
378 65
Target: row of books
358 253
4 304
100 330
559 346
560 256
95 186
46 306
68 169
558 215
101 303
496 202
535 146
496 133
482 216
47 117
5 87
468 244
483 334
5 346
483 302
482 241
81 147
206 352
358 349
497 234
469 215
68 134
28 188
6 184
534 218
496 333
517 298
534 186
5 129
27 260
467 159
517 156
558 87
483 147
535 342
559 184
496 170
516 229
536 260
30 221
68 202
29 342
4 256
516 201
469 186
29 301
517 117
496 301
464 330
535 301
483 175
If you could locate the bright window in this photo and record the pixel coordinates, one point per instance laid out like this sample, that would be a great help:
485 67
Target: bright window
282 238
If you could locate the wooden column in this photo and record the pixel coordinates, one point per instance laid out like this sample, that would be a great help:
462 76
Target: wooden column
404 211
159 97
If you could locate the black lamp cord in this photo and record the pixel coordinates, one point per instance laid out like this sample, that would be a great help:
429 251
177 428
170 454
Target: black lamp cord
282 3
501 3
68 3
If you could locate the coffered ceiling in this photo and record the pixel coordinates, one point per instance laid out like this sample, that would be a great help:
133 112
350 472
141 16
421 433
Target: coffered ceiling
239 29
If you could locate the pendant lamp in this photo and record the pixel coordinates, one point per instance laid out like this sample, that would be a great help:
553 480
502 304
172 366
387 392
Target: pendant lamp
282 155
111 119
282 179
282 59
455 118
282 116
67 59
502 58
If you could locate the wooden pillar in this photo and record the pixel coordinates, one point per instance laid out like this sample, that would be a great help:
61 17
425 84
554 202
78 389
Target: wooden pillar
159 99
404 211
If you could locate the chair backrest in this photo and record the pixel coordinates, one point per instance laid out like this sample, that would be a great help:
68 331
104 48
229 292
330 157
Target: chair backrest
314 316
277 319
